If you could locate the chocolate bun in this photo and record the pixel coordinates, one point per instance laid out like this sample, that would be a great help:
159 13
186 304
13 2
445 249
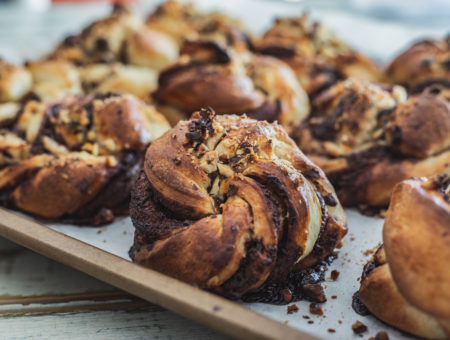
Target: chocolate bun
423 64
367 137
317 56
210 73
76 159
227 203
183 21
406 284
121 37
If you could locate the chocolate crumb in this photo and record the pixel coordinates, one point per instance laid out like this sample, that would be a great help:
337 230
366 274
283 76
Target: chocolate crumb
334 297
305 317
315 308
291 309
331 330
380 336
358 327
232 190
310 322
340 322
334 275
314 292
177 160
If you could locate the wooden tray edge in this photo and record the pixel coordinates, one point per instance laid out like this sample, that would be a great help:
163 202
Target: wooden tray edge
201 306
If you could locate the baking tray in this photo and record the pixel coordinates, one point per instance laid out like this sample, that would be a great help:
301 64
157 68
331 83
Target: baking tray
103 252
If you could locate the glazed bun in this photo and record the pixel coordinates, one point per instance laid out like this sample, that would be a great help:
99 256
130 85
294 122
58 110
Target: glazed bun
317 56
423 64
210 73
406 284
367 137
76 159
227 203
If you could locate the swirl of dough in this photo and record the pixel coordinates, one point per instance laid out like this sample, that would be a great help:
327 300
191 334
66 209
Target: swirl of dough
227 203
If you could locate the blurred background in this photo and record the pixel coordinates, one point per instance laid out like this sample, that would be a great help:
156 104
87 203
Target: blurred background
380 28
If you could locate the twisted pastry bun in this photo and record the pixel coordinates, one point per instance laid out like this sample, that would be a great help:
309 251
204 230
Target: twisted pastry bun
367 137
121 37
209 73
407 283
423 64
317 56
76 158
183 21
227 203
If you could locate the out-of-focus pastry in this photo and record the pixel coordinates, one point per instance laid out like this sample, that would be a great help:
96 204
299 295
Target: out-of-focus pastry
121 37
211 74
317 56
423 64
229 203
15 82
367 137
183 21
76 159
54 79
407 282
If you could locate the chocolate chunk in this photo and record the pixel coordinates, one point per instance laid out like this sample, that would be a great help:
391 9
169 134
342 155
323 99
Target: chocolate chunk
315 308
330 200
380 336
314 292
291 309
232 190
331 330
101 44
235 159
313 173
193 135
358 327
334 275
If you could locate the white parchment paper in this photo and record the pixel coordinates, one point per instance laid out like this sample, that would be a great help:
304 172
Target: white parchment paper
362 239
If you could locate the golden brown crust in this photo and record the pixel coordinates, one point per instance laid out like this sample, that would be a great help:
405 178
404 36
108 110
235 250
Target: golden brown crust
54 79
182 21
121 37
423 64
237 201
408 286
368 137
317 56
417 240
15 82
77 157
210 73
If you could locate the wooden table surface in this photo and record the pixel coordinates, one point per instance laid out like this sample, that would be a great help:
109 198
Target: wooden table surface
42 299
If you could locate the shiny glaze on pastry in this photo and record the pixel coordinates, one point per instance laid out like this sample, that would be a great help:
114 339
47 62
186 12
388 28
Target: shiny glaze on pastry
229 203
